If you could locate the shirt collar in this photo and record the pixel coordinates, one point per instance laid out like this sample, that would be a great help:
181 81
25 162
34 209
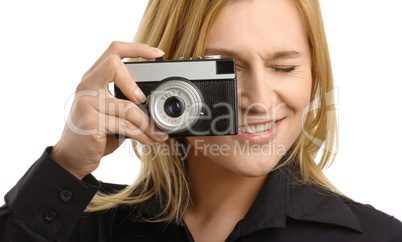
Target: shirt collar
283 196
269 208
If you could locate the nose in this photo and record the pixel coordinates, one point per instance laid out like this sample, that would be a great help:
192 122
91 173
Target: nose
256 92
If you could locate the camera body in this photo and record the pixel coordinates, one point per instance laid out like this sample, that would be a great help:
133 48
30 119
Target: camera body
188 97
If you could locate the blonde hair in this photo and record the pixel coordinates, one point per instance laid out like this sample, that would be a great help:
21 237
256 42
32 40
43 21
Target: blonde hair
180 28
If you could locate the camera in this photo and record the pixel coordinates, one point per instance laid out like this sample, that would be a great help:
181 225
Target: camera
188 97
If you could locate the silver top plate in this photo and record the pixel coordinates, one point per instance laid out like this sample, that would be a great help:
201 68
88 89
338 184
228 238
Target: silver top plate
191 70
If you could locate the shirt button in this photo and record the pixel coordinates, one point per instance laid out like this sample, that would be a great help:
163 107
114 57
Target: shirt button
49 216
66 195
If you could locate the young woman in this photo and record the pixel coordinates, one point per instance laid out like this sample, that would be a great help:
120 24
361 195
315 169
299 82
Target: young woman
260 185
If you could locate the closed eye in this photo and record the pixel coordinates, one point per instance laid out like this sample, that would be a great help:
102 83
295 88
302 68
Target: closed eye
284 69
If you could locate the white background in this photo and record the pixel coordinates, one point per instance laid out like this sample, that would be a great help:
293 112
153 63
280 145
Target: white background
46 46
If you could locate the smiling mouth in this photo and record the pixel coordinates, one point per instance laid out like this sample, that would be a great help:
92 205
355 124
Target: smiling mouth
251 129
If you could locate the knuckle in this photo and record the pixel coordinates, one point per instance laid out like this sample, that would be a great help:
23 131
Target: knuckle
132 112
132 130
113 62
89 122
130 125
81 86
115 45
82 103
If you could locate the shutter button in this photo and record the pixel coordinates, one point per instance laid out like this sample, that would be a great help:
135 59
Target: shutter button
66 195
49 216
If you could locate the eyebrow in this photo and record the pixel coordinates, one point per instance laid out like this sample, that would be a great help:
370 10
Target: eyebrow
219 51
287 54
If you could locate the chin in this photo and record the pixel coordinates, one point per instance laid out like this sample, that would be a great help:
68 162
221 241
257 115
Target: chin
246 166
253 173
254 166
241 158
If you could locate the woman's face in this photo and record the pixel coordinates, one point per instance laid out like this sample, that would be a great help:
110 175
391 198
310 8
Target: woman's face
273 63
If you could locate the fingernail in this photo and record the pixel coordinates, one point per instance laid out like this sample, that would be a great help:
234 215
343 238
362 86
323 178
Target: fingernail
156 50
162 135
139 95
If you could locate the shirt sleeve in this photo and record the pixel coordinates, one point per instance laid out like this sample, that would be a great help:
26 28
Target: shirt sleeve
46 203
396 230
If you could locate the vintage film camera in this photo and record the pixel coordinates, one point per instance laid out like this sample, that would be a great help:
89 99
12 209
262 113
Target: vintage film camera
188 97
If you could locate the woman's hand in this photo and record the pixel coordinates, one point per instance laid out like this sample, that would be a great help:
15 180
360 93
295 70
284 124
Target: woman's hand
95 113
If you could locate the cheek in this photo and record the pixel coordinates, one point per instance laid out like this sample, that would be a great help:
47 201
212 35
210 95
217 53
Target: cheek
296 94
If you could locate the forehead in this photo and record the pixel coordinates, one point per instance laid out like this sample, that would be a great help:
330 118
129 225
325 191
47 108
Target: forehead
259 25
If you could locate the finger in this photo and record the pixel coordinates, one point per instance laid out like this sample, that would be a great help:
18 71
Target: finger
127 50
132 113
142 122
112 69
111 124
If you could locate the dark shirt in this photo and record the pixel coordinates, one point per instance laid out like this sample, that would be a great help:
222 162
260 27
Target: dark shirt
47 204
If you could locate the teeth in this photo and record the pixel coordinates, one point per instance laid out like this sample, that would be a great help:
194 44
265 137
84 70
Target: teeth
260 128
251 129
269 125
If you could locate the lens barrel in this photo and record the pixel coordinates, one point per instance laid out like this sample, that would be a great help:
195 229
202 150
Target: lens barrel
174 106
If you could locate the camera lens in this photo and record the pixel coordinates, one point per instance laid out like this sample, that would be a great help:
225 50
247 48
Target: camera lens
174 107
